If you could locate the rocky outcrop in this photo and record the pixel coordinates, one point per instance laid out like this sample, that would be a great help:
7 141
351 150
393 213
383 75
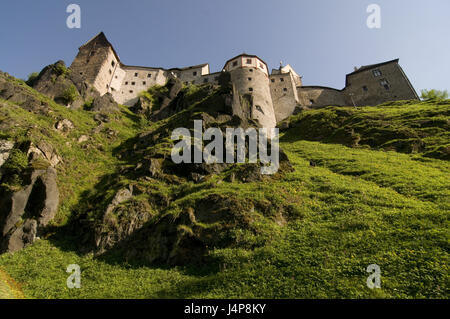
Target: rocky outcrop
104 103
5 148
24 213
15 92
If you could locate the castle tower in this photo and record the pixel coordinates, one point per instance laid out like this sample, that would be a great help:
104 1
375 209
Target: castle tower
98 63
250 77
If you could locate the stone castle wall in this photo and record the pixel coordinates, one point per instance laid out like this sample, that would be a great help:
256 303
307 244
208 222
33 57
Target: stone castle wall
317 96
372 86
284 94
272 97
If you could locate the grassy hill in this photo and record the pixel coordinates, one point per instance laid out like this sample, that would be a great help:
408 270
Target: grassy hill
309 233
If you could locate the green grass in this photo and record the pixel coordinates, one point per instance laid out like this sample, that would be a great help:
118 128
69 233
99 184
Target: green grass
342 223
312 232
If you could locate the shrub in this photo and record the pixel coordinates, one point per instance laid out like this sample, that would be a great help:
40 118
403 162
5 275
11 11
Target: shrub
70 94
32 78
435 95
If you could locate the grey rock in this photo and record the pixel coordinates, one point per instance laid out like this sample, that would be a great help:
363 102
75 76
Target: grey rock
5 149
23 214
105 103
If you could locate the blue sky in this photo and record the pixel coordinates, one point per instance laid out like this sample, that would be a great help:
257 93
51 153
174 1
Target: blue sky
322 39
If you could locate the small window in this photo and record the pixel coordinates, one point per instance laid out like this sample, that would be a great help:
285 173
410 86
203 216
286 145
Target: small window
144 83
110 72
81 73
149 75
249 79
126 83
133 83
116 76
112 89
235 63
107 86
311 102
273 80
281 79
376 73
131 91
365 88
251 70
285 90
194 73
250 89
249 61
113 63
135 74
385 84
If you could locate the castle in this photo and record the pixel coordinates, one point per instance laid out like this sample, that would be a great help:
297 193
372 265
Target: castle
273 96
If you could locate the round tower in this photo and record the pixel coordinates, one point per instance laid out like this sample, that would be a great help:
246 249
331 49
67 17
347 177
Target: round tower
250 77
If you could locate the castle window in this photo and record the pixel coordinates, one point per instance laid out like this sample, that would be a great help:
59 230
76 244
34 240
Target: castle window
249 79
235 63
281 79
116 77
251 70
110 72
107 86
250 89
149 75
365 88
376 73
131 91
113 63
285 90
311 102
144 83
135 74
194 73
273 80
81 73
126 83
385 84
249 61
133 83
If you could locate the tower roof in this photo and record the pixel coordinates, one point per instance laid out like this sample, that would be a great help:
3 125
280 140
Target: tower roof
101 38
249 56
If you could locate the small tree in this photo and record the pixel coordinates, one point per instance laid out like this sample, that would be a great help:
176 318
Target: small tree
434 95
70 94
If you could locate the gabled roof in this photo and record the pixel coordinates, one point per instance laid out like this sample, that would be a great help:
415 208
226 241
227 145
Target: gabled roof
101 37
372 66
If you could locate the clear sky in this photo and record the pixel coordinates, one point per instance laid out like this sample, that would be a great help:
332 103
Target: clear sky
322 39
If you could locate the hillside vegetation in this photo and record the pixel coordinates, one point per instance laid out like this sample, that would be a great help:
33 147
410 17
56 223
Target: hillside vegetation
358 187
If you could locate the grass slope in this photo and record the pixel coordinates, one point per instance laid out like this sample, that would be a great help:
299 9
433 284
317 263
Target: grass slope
324 226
